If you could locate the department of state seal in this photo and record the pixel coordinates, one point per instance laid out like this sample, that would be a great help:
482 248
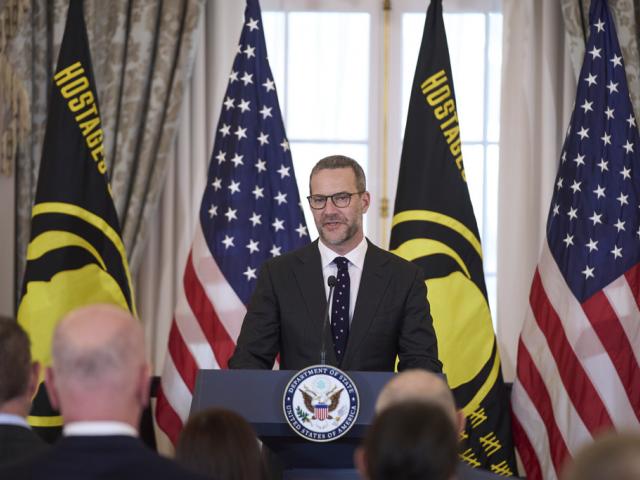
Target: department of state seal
321 403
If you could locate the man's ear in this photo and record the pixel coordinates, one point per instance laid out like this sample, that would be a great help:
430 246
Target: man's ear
366 201
360 461
34 380
52 392
462 421
144 383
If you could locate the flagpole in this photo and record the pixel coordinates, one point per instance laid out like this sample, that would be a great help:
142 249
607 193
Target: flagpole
384 201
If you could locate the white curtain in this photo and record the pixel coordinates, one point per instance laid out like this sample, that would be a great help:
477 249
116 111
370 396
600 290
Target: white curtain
538 90
171 230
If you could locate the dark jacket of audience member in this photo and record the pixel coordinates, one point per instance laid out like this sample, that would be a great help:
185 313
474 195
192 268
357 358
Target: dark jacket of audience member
220 444
18 382
110 457
410 441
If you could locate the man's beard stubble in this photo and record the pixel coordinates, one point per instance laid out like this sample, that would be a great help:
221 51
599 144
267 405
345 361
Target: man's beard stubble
352 229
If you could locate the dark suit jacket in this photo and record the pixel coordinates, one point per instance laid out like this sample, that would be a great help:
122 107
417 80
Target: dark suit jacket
105 458
391 316
18 442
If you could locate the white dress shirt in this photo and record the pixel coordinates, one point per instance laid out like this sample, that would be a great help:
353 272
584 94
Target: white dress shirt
12 419
356 264
98 429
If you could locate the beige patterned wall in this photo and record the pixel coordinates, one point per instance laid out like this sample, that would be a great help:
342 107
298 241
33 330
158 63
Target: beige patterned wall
142 53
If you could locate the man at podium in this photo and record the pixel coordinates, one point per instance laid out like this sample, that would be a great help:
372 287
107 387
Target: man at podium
340 300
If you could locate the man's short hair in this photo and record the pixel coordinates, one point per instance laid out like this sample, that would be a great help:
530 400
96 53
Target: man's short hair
219 443
411 440
15 360
333 162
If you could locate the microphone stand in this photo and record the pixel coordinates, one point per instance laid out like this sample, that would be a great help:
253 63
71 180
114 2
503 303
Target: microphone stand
331 281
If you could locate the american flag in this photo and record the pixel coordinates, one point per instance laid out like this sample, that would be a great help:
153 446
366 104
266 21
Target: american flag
577 368
250 212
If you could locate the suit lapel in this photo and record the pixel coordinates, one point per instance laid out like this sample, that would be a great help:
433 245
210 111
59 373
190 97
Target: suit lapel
373 283
308 273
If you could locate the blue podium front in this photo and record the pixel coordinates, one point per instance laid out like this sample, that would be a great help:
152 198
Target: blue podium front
257 395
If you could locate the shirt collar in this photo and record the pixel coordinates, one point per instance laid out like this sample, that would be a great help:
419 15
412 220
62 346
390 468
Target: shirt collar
355 256
98 428
12 419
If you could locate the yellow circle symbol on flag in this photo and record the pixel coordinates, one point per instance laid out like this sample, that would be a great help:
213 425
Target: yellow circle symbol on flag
461 315
46 301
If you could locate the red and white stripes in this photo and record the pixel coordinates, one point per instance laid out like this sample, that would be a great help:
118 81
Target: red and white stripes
205 328
577 368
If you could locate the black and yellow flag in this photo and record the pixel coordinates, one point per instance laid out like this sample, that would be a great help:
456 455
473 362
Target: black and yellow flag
75 254
434 226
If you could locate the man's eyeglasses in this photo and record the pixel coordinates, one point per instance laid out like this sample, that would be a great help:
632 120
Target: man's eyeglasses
340 200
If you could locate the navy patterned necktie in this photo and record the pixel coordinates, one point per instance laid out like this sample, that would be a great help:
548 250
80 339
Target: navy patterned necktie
340 308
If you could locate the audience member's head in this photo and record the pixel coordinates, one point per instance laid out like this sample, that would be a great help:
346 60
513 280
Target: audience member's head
220 444
99 369
18 374
420 386
610 456
411 440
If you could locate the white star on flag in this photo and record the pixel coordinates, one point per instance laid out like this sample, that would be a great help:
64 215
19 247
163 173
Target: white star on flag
263 138
283 171
253 246
257 192
252 24
247 78
237 160
250 273
224 130
255 219
269 85
278 224
280 198
249 51
261 165
302 230
240 133
234 187
228 241
616 60
265 112
244 105
231 214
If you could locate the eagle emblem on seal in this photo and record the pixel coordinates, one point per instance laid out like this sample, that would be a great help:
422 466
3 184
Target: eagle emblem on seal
321 405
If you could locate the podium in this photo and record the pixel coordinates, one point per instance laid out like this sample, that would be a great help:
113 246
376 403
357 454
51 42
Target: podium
257 396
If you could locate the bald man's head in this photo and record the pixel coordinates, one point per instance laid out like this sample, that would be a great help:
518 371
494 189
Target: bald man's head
420 386
99 366
611 455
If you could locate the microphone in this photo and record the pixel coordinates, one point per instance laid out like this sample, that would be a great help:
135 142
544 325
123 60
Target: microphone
331 281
